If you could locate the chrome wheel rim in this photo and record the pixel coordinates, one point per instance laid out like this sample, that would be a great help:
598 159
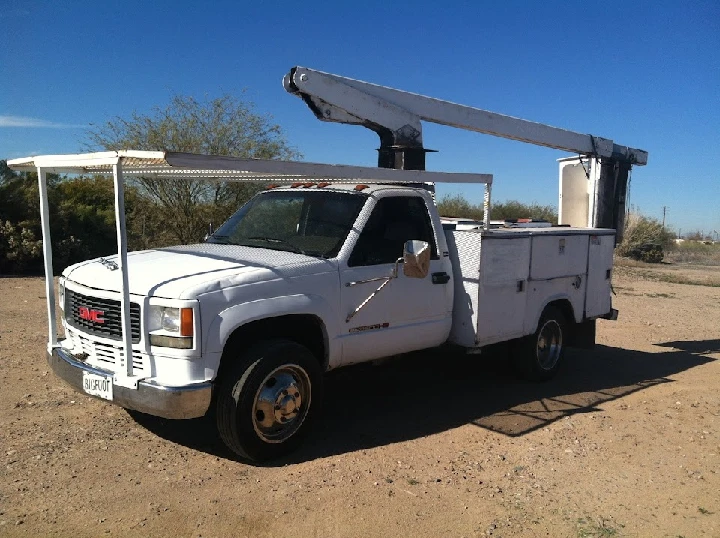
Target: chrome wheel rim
281 403
549 344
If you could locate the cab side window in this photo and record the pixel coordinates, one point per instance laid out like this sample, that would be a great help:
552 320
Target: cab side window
393 221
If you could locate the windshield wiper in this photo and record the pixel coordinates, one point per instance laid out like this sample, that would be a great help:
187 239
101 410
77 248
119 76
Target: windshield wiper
295 248
222 239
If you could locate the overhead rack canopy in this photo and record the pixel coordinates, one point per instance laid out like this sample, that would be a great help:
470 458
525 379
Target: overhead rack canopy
170 164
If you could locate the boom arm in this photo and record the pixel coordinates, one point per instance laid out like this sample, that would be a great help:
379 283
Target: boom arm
395 115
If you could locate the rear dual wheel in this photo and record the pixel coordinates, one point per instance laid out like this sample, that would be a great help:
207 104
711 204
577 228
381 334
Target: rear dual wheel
267 399
538 356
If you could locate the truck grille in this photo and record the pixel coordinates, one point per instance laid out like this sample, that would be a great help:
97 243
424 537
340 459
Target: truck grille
106 356
111 326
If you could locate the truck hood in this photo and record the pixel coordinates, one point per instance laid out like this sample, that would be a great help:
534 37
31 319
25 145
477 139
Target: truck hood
184 272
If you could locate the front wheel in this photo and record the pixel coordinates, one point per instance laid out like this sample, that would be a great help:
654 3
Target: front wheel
267 399
538 356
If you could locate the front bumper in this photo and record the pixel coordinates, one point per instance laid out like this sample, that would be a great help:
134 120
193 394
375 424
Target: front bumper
190 401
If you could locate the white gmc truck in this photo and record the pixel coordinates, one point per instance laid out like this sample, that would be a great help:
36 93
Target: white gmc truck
346 265
303 280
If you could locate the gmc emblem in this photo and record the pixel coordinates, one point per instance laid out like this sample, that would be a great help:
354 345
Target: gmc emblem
96 316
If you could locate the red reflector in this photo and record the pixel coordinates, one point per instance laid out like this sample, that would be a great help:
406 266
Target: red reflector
323 185
361 187
295 185
308 185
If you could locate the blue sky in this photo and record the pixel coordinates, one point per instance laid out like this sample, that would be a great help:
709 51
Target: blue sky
645 74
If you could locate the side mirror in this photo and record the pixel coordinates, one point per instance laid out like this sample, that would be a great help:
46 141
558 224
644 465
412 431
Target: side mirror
416 258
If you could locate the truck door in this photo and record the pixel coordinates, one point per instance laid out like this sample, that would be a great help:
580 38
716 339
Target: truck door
407 313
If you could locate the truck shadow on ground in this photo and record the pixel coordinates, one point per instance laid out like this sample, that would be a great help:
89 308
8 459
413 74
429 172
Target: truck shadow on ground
694 346
426 393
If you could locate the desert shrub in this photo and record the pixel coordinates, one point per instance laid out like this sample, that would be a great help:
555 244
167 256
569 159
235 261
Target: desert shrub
82 217
19 248
645 239
458 206
512 209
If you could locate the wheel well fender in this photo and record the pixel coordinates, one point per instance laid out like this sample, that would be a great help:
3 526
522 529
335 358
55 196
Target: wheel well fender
304 329
561 302
565 307
277 317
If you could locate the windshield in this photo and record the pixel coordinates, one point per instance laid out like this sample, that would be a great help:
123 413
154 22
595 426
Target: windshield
314 223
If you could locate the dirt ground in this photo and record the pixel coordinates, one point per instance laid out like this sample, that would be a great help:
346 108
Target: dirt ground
624 442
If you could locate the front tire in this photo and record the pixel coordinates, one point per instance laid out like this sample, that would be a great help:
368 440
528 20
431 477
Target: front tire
538 356
268 398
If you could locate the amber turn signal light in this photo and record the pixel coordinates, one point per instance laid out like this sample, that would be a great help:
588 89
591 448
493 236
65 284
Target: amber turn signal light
186 321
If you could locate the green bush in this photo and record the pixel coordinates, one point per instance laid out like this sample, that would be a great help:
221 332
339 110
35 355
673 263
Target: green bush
82 217
458 206
512 209
19 248
645 239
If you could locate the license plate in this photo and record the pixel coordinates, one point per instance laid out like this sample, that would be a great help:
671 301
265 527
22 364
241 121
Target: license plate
98 385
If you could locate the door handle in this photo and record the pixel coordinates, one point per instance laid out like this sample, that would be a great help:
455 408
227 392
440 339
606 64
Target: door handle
440 278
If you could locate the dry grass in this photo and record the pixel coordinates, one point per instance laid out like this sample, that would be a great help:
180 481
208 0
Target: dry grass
674 273
696 253
681 279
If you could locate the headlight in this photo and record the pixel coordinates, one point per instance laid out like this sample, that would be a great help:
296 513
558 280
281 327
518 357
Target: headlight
172 320
176 321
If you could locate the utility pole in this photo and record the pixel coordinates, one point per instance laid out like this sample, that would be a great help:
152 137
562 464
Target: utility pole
665 208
